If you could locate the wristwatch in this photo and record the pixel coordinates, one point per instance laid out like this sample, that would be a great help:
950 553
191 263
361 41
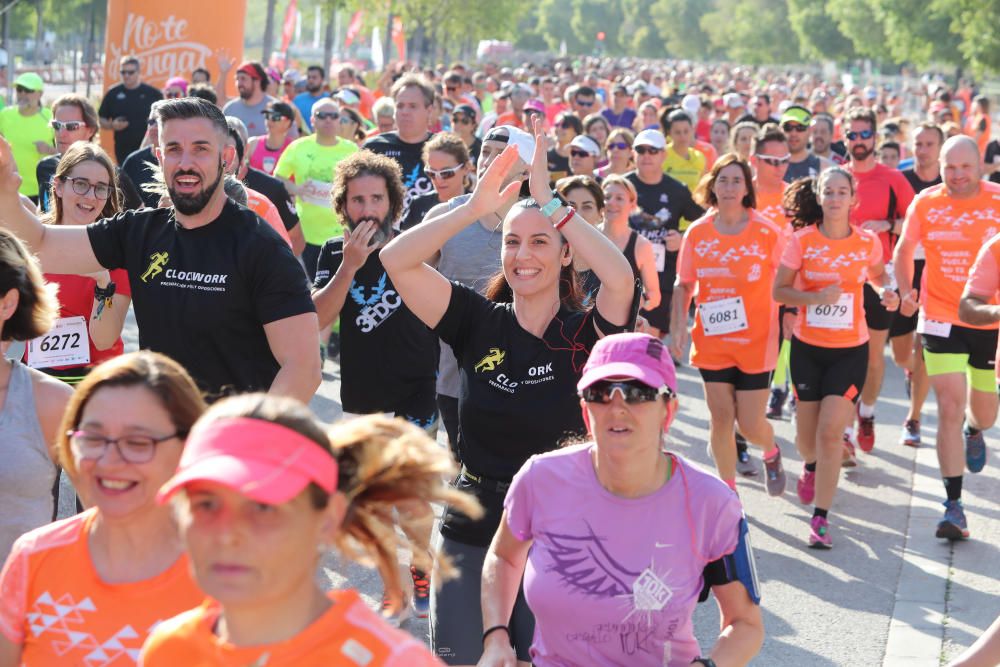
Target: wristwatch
708 662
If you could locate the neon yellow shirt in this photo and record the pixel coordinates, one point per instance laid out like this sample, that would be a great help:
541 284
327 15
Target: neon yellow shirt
22 132
687 171
311 167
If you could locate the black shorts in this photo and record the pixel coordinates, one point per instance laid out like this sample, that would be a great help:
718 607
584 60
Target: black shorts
734 376
818 372
876 316
979 344
902 325
659 317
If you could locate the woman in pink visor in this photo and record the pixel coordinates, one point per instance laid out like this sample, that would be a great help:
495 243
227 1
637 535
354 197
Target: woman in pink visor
615 562
262 491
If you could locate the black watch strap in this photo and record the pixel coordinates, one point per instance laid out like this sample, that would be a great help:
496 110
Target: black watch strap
708 662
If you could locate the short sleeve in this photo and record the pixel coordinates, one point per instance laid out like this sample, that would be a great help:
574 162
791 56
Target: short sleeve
108 240
778 249
691 210
791 257
911 226
904 193
520 504
286 163
104 111
286 208
280 286
466 309
14 593
723 534
984 281
875 252
330 257
685 260
120 278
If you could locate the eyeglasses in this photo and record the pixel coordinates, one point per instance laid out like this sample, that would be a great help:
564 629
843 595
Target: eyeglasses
774 161
128 72
460 119
632 392
647 150
581 103
131 448
863 134
274 116
794 127
578 153
443 174
69 126
326 115
619 146
174 95
82 186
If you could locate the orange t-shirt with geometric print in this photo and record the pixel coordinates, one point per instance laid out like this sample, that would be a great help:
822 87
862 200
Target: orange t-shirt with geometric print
737 270
348 634
57 608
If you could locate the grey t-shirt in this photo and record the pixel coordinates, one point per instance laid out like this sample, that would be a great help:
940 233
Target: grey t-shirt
252 116
808 167
471 257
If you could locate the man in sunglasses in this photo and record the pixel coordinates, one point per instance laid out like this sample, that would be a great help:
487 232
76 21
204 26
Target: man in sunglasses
584 101
583 155
796 122
619 114
126 106
26 127
883 195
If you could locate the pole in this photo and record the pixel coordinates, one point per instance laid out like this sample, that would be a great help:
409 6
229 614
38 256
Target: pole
91 47
388 36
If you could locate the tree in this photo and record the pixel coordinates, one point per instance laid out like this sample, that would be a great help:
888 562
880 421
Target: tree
819 37
554 27
752 31
593 16
679 23
858 21
636 35
975 22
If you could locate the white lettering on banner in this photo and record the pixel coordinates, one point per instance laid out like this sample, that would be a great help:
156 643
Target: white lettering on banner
723 316
66 344
838 315
160 47
377 313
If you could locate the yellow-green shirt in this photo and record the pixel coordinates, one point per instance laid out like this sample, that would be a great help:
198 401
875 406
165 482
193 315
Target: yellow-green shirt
21 132
687 171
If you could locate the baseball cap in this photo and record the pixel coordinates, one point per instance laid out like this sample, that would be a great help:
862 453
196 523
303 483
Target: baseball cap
508 134
291 76
585 143
733 100
691 104
347 96
796 114
283 108
466 110
652 138
534 105
632 355
264 461
30 80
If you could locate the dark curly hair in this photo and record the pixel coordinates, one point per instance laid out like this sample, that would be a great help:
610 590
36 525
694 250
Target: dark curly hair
801 200
366 163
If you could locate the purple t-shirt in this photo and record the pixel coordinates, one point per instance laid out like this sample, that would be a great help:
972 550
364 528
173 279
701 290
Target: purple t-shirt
610 580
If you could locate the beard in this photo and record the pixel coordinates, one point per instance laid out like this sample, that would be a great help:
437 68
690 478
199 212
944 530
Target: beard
245 93
383 232
194 203
861 152
314 88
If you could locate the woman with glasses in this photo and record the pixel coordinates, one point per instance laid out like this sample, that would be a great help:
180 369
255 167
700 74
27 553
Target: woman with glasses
108 575
176 87
265 150
446 163
618 148
351 126
92 308
31 403
633 540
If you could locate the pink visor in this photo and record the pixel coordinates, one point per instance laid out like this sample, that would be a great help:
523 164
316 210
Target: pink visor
266 462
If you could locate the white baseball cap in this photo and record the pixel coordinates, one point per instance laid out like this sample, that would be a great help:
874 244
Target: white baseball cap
692 104
652 138
585 143
508 134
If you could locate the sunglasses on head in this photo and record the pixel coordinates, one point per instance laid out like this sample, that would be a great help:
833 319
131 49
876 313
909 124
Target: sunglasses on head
632 391
794 127
69 126
863 134
774 161
619 145
326 115
576 152
647 150
443 174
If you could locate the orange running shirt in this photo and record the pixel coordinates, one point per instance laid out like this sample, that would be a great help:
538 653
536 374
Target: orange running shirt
58 609
821 262
264 208
951 231
348 634
769 206
984 279
736 323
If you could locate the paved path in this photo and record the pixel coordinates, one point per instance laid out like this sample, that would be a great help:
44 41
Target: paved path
888 593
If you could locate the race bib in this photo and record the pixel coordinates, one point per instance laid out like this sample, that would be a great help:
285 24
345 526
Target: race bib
933 327
723 316
316 193
838 315
67 344
269 163
891 275
660 255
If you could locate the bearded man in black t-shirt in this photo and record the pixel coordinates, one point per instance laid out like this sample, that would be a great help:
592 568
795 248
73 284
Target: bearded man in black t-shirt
213 286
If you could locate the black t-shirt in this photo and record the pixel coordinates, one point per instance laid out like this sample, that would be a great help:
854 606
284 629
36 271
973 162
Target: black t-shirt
410 159
202 296
918 185
475 149
134 106
992 152
390 358
558 165
136 167
419 208
517 395
46 171
272 188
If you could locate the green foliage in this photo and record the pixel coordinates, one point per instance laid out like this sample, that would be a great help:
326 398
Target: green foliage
752 31
679 23
819 37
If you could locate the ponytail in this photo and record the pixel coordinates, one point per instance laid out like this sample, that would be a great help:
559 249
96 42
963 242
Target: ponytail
800 203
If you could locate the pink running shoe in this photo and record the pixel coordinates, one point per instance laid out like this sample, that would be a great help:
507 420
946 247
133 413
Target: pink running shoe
819 534
806 487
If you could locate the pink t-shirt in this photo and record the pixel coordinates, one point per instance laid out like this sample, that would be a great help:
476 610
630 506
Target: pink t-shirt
610 580
984 278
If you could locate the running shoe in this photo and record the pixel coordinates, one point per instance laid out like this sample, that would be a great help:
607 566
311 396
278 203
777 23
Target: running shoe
745 464
396 618
774 475
866 431
819 534
849 460
953 525
776 403
421 592
806 486
911 433
975 450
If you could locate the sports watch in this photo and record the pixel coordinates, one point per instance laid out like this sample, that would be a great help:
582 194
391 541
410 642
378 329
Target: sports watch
708 662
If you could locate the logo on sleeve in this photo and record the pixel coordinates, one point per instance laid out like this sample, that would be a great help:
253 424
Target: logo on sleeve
491 360
155 268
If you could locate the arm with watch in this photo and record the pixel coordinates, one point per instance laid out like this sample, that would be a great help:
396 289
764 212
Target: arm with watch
107 318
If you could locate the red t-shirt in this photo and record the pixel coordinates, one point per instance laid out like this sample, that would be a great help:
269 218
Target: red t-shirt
882 194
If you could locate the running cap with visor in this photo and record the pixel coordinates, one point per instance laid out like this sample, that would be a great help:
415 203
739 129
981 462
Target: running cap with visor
253 70
585 143
264 461
631 355
347 96
30 80
796 114
508 134
652 138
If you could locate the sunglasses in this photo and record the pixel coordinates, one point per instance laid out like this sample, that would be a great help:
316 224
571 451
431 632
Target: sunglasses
632 391
326 115
69 126
443 174
863 134
128 72
460 119
274 115
451 89
793 127
82 186
774 161
581 103
578 153
619 146
173 96
646 150
22 89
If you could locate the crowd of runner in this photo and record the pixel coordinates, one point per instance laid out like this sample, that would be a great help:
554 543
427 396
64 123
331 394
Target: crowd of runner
519 258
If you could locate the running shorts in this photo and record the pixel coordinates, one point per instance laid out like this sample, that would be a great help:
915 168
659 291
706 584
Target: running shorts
964 350
818 372
734 376
902 325
876 316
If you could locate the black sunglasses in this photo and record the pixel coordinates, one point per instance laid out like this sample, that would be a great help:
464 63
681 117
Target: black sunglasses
647 150
326 115
275 115
863 134
22 89
579 153
128 72
632 391
794 127
581 103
